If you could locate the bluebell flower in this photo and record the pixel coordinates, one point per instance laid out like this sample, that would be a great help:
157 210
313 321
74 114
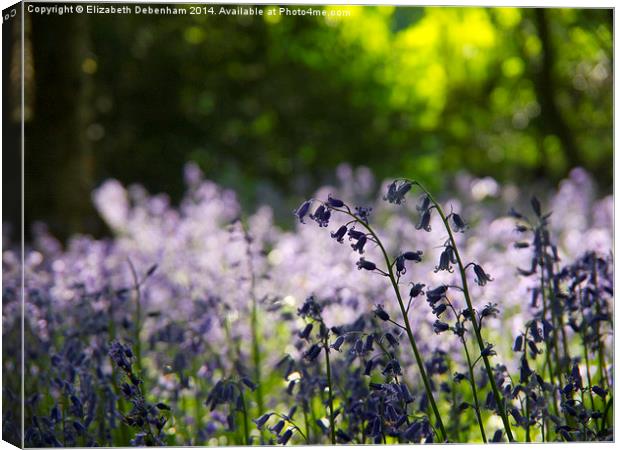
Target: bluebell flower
458 377
310 308
355 234
392 367
118 353
363 213
576 376
359 245
518 345
339 234
277 428
458 224
368 343
599 391
321 216
305 333
405 394
312 352
489 310
368 367
488 351
446 260
366 265
338 343
302 211
440 309
416 289
358 347
55 414
424 204
440 327
260 422
400 265
342 436
497 436
434 295
413 256
334 202
284 437
535 331
524 370
425 221
481 276
396 192
391 339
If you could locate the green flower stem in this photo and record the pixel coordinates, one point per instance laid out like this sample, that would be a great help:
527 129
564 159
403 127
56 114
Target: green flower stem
498 398
584 345
472 383
549 345
246 427
137 318
527 397
254 325
332 421
414 347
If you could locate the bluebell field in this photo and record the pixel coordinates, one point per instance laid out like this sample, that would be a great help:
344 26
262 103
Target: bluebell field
389 314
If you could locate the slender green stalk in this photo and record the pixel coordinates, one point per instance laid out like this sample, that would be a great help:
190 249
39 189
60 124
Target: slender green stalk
472 381
527 396
256 357
498 397
558 320
455 415
137 318
403 310
332 424
608 406
254 325
586 358
474 393
307 423
549 345
122 431
246 426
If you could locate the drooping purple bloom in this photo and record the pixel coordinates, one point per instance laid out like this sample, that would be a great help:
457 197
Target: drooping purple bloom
339 234
381 314
425 221
416 289
334 202
321 216
366 265
359 245
481 276
302 211
396 192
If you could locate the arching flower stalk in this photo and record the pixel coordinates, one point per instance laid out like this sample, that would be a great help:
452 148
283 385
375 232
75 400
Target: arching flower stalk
393 269
429 203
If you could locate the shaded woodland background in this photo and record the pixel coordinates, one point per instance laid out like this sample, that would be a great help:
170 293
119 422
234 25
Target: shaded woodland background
270 107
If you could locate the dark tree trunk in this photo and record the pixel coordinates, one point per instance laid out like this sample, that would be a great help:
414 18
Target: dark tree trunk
551 116
58 155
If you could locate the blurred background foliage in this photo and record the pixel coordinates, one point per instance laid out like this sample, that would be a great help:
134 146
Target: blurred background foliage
271 105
